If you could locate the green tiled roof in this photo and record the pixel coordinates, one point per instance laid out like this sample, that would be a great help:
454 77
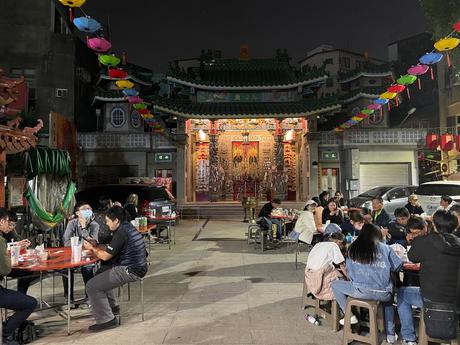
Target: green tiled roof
368 69
373 91
190 109
251 73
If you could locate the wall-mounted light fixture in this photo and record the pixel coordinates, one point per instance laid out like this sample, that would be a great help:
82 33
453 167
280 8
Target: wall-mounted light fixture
201 135
245 135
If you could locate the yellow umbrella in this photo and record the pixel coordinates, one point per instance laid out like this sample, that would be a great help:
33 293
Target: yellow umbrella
72 3
124 84
388 95
446 44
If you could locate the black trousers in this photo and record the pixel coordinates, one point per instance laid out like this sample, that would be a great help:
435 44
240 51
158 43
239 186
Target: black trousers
86 272
23 305
24 280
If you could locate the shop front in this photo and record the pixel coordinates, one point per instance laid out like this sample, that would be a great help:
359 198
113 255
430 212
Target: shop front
236 158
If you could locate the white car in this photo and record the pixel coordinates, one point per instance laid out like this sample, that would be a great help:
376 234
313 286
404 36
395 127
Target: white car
429 194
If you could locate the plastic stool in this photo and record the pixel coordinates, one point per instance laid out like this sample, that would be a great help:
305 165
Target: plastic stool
252 230
141 283
332 316
375 320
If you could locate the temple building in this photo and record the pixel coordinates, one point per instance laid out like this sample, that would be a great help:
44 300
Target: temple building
242 125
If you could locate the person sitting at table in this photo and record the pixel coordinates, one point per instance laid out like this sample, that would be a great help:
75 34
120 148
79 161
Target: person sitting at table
339 198
397 229
22 304
318 215
413 206
416 226
439 256
24 278
446 203
380 217
323 198
353 224
369 265
131 205
265 213
305 227
104 233
128 254
455 209
81 226
325 264
332 213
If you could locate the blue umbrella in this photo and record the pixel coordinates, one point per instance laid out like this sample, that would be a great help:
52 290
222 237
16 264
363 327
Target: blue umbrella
430 58
381 101
87 24
130 92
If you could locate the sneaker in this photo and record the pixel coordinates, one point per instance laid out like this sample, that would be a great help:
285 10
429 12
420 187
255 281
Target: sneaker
353 320
98 327
405 342
116 310
84 305
391 339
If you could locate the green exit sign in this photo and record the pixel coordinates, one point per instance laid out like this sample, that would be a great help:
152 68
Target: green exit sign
330 156
163 157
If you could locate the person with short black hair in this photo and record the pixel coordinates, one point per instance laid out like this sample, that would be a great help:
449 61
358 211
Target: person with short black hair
22 304
128 255
455 209
439 256
446 203
416 226
369 265
380 217
397 228
265 213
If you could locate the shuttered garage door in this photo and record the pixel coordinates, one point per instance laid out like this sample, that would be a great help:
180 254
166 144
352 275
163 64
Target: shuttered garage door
384 174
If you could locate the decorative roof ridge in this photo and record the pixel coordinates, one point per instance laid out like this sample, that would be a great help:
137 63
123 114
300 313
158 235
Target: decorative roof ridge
367 70
366 92
129 76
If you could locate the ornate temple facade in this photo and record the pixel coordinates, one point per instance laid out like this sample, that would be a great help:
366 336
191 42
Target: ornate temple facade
242 125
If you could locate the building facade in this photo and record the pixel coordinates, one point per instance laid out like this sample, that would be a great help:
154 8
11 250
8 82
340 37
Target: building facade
242 125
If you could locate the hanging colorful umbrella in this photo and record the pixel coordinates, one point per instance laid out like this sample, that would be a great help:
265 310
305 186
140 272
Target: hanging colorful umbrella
138 106
430 59
72 3
109 60
124 84
381 101
87 24
135 99
388 95
407 80
367 112
396 88
130 92
374 106
445 45
456 26
143 111
98 44
418 70
117 73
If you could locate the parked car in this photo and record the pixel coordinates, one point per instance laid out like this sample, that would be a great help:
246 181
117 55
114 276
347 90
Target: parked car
152 200
393 197
429 194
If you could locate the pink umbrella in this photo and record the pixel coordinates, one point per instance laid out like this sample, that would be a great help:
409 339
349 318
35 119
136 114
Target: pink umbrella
374 106
417 70
135 99
98 44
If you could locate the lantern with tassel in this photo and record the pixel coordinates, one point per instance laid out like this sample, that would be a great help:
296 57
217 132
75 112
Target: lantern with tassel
445 45
418 70
430 59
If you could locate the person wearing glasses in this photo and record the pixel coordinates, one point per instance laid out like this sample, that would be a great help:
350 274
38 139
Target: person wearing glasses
83 226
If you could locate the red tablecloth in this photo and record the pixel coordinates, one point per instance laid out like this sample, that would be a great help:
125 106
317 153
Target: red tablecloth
58 259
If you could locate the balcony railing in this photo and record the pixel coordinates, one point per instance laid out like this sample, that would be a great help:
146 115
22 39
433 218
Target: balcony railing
393 136
139 141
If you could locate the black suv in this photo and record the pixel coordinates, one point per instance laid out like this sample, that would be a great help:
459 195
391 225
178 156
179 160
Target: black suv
152 200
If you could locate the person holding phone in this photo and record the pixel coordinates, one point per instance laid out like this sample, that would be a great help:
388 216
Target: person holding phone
84 227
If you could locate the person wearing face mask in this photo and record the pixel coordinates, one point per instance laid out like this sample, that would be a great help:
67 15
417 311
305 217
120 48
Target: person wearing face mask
83 226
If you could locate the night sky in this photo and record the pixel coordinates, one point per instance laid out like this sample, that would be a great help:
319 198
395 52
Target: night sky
154 32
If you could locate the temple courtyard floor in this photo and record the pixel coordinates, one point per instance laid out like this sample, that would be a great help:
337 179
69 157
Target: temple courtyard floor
210 288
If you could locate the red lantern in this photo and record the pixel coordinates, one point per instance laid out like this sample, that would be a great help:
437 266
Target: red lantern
432 141
447 142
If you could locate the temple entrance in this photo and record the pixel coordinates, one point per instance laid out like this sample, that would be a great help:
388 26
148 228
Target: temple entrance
229 164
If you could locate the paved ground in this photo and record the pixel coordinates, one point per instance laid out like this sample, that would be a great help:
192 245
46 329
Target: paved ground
211 290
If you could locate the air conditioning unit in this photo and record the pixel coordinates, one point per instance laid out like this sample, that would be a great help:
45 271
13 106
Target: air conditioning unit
62 93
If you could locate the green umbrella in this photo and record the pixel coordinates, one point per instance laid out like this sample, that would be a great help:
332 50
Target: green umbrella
367 111
407 79
109 60
139 106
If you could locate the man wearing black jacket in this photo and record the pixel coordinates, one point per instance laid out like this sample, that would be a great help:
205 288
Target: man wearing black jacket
439 256
397 229
380 217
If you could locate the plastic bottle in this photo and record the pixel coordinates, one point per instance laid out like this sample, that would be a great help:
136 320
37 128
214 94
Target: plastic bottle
312 319
349 238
